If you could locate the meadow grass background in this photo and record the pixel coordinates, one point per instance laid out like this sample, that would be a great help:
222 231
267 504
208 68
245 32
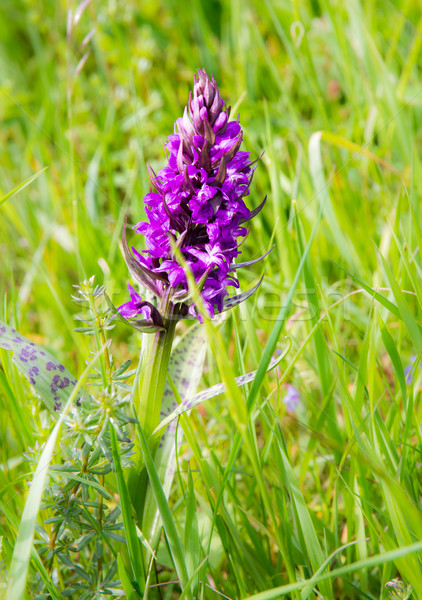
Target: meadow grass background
336 483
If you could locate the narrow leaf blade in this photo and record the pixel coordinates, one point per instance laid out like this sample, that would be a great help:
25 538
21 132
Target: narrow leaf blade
235 300
216 390
134 550
22 185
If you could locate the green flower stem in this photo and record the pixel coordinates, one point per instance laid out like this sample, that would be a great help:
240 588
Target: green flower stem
149 393
147 400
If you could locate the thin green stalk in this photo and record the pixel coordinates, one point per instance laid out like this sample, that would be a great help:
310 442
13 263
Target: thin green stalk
100 524
69 90
149 389
150 386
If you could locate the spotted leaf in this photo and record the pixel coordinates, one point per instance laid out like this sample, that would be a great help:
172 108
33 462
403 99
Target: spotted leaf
190 402
51 380
185 369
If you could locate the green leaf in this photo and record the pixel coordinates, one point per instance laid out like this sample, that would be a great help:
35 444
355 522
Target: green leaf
133 547
303 521
192 544
329 415
23 544
125 581
391 348
185 370
405 312
52 381
386 303
321 188
367 563
253 396
215 390
91 483
22 185
169 525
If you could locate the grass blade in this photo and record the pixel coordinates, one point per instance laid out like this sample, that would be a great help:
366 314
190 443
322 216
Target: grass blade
134 550
22 185
215 390
169 525
366 563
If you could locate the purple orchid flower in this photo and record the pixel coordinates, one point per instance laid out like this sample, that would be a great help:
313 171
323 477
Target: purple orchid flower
136 306
196 201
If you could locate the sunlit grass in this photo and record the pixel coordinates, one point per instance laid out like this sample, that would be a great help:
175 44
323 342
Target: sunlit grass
267 498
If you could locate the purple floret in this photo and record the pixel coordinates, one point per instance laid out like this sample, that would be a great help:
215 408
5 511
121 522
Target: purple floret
292 398
135 307
197 200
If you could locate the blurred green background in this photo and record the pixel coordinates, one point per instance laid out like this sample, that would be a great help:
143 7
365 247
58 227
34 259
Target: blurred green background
95 102
95 106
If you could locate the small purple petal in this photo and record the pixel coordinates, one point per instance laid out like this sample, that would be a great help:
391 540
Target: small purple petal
409 370
292 398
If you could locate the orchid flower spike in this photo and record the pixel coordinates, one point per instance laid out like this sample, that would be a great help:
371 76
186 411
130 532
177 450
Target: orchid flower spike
196 204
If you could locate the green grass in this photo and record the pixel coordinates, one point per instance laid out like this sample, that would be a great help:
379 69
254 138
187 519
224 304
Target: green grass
265 503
